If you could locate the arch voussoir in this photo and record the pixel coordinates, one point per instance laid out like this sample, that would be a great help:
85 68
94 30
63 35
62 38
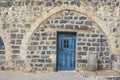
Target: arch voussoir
46 14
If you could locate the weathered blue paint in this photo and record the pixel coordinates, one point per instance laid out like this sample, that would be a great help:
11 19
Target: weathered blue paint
66 45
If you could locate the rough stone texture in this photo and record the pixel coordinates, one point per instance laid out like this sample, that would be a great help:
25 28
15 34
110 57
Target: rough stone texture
41 41
29 27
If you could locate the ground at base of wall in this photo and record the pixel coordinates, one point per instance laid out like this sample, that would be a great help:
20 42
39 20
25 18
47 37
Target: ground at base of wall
61 75
87 73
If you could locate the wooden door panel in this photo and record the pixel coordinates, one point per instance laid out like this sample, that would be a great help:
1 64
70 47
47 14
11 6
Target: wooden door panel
66 51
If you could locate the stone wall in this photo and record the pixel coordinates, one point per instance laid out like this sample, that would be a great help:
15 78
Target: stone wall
116 62
42 44
19 21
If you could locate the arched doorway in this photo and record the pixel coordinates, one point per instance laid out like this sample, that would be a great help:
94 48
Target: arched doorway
42 46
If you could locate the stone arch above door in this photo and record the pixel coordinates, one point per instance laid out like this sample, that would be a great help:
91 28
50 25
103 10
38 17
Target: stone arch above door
41 46
82 10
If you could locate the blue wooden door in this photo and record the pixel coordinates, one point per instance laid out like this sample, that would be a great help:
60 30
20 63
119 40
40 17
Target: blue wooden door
66 51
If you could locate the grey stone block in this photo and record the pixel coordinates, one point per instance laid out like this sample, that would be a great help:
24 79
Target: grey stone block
78 4
48 52
35 56
81 35
58 17
47 65
94 35
79 39
117 3
13 36
65 2
82 18
42 29
91 40
95 44
56 21
73 2
75 17
91 48
53 42
20 25
48 22
44 38
69 26
2 52
88 44
43 52
85 48
3 68
82 61
101 40
79 48
79 22
45 47
45 56
41 60
52 38
88 22
81 43
43 34
87 35
68 17
16 47
51 26
82 53
84 27
39 65
60 26
52 47
27 25
20 36
48 60
63 21
16 51
60 2
15 56
2 57
48 4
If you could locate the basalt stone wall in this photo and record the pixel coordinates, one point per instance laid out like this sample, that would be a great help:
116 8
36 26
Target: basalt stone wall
43 42
18 17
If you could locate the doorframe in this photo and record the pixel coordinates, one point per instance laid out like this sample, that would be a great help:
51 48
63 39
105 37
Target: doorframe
57 49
